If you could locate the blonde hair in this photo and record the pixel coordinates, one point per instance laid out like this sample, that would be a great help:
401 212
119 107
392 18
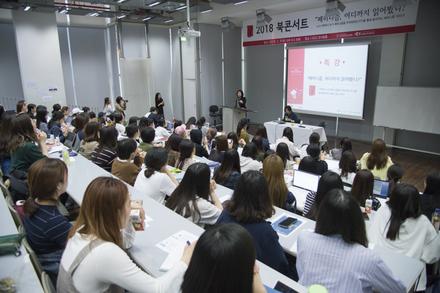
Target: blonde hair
102 209
273 170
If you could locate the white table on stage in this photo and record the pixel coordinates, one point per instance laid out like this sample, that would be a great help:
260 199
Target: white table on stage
301 133
17 267
164 224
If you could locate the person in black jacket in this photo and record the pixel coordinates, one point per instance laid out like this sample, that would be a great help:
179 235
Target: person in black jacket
314 162
196 138
289 115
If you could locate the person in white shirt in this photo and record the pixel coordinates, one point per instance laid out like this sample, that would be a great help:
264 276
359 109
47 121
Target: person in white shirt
248 158
195 197
156 181
108 107
94 258
287 138
119 126
347 167
336 254
400 226
160 129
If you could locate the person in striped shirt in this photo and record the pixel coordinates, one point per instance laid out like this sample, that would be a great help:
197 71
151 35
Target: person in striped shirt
337 256
105 153
46 228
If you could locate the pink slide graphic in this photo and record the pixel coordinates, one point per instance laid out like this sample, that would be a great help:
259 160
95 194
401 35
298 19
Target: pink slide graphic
295 77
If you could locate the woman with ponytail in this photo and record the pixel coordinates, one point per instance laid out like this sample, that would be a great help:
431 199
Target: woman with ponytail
46 228
156 181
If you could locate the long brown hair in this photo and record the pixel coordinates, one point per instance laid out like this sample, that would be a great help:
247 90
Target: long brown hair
22 131
102 209
44 176
378 157
91 131
273 170
362 187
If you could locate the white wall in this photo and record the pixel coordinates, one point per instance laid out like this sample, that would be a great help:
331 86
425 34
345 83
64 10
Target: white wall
10 81
264 68
39 57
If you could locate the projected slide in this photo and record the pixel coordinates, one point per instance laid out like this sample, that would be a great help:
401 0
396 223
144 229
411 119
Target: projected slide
327 80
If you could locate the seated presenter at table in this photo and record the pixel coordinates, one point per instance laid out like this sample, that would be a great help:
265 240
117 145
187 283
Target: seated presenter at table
95 256
241 99
336 254
289 115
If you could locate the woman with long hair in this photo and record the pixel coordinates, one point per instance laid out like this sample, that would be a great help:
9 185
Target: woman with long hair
99 238
187 151
273 170
221 146
400 226
5 137
41 117
430 199
46 228
242 128
91 140
27 145
195 197
105 153
248 158
108 107
287 138
159 103
328 181
362 189
377 160
251 206
228 173
348 167
336 254
226 252
56 126
172 145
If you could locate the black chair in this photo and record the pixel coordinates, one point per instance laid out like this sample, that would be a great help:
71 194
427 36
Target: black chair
215 113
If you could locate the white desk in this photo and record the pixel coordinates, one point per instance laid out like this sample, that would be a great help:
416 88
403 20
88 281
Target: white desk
165 223
17 267
301 133
406 269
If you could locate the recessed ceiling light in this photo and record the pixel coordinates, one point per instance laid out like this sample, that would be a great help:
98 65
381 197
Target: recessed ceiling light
93 14
206 11
168 21
154 4
147 18
121 1
27 8
241 2
122 16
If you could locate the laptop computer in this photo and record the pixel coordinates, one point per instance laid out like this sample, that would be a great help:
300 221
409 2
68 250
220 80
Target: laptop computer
306 180
380 188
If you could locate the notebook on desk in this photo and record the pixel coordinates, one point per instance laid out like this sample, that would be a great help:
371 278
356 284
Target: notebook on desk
306 180
380 188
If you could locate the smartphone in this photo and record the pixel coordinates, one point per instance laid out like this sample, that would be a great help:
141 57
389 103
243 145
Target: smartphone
284 288
287 223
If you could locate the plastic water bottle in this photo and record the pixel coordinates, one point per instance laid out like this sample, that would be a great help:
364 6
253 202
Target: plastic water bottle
368 206
66 157
436 219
